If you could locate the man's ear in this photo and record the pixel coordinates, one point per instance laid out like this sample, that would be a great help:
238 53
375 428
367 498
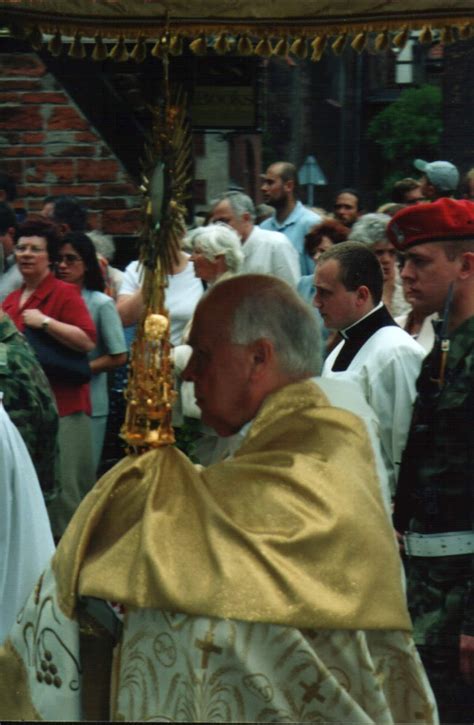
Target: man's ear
289 185
363 294
262 356
467 265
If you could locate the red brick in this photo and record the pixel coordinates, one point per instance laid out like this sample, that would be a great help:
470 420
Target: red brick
84 190
92 170
85 137
65 119
10 138
68 151
50 172
44 97
105 152
18 118
118 190
13 167
36 205
21 64
33 191
20 84
101 203
94 220
33 137
121 222
20 150
10 97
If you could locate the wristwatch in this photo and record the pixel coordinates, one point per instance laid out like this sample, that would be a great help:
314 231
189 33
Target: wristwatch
45 323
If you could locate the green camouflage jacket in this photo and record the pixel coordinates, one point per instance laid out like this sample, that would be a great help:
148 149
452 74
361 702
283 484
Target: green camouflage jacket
436 483
29 401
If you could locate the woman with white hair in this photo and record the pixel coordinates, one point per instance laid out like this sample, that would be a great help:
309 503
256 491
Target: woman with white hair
216 251
370 229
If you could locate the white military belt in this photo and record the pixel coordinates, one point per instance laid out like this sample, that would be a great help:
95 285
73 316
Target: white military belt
447 544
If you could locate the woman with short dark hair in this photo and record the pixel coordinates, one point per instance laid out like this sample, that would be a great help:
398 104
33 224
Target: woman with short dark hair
78 264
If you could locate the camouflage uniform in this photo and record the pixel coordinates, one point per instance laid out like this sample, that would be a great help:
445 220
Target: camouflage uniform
435 495
29 401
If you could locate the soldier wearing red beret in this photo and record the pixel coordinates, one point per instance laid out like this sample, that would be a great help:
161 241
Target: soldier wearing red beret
434 504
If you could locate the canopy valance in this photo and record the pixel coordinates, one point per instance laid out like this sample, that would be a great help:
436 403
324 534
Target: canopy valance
261 27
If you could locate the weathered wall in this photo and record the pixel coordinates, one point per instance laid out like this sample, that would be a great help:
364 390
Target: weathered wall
49 147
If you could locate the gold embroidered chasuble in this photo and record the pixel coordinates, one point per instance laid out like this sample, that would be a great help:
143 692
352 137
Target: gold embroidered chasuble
292 530
283 549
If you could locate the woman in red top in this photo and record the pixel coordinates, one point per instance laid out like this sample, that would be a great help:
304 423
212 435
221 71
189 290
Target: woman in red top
47 303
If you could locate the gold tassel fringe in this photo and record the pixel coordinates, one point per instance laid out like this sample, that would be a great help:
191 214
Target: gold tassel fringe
160 48
35 38
282 48
176 45
426 36
100 51
119 52
222 45
339 44
245 46
299 47
447 35
319 46
382 41
138 54
77 49
199 46
400 40
264 48
55 44
359 42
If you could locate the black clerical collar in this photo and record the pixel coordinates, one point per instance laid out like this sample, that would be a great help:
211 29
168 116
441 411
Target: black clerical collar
357 335
377 317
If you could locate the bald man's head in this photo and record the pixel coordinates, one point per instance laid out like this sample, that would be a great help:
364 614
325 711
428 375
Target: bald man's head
251 335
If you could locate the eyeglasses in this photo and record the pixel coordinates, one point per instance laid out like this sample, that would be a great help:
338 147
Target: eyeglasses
33 248
68 259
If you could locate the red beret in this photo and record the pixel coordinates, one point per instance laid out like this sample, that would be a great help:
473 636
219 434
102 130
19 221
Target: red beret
445 220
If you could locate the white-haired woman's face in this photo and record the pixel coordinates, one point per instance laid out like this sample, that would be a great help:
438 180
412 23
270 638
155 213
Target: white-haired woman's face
387 256
204 268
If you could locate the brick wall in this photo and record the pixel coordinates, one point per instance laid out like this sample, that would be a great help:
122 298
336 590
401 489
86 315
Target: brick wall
49 147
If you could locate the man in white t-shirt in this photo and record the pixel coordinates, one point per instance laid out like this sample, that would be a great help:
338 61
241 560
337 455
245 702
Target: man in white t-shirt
265 252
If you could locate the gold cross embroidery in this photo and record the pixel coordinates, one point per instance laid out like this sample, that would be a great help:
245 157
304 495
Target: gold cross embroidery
311 692
208 647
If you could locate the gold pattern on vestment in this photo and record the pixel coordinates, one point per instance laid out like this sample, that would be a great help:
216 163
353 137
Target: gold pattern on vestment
208 648
273 535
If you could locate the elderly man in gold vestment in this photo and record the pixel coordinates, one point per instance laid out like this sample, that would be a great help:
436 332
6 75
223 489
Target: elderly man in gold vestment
266 587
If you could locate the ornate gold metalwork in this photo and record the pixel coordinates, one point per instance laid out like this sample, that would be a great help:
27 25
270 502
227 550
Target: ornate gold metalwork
165 176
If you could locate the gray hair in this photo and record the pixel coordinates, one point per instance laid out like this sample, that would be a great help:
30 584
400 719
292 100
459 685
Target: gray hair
271 309
370 229
103 243
240 203
218 239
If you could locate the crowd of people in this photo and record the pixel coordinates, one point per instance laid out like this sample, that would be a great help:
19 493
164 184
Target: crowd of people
321 524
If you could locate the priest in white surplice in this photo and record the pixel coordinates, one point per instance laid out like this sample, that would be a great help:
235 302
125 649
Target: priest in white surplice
264 588
374 352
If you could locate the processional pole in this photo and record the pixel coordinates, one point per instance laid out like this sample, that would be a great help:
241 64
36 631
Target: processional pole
166 164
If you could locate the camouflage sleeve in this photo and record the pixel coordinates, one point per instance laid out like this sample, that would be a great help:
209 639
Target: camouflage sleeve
467 626
29 401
